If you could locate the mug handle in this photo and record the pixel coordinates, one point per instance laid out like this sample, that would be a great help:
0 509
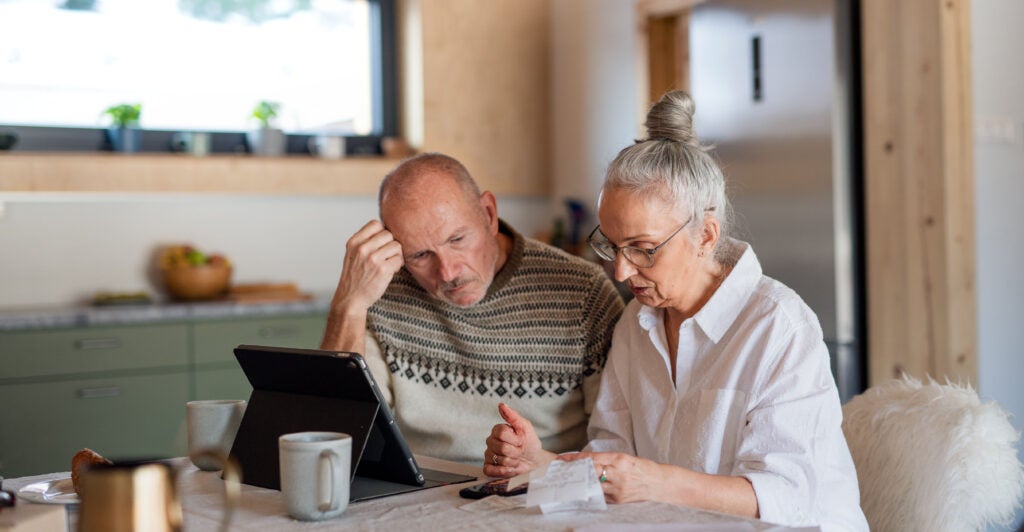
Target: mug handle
333 465
232 474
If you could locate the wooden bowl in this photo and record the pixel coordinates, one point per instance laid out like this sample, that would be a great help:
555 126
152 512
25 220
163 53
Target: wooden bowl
197 283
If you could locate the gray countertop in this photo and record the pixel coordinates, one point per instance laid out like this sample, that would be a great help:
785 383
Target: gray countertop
84 316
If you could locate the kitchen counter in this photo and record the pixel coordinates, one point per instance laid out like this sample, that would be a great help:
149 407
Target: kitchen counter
84 316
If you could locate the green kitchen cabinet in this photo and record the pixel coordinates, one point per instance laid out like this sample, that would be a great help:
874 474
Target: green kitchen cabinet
121 389
81 350
221 383
217 375
44 424
215 340
228 383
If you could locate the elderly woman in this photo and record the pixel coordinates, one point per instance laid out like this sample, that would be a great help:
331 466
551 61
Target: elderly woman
717 393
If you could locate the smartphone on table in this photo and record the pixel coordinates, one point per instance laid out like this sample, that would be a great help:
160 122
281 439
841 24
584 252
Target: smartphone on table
493 487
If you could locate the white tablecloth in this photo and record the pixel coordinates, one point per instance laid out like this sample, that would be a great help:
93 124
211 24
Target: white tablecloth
438 508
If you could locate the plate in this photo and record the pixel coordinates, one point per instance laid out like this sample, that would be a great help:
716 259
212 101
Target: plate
57 491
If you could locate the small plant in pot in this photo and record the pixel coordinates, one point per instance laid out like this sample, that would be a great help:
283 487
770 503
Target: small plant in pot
124 133
267 140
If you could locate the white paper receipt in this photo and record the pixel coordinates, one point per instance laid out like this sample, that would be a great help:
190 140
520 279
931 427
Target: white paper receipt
566 486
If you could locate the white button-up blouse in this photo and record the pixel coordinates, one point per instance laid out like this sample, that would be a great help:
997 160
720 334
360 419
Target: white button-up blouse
754 397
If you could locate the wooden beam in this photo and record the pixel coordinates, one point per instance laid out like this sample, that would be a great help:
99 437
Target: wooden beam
663 50
217 174
486 88
668 54
919 189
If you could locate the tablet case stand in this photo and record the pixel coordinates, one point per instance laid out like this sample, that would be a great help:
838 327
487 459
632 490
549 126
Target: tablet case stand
270 414
300 390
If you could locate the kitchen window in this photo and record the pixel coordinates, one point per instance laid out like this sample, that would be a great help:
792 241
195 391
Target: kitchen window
196 66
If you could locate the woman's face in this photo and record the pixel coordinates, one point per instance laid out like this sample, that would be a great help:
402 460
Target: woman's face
627 219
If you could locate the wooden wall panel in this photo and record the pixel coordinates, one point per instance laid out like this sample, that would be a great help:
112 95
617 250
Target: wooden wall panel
663 50
919 189
221 174
668 54
486 89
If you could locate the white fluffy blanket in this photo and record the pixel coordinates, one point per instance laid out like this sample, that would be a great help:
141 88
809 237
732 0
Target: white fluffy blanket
932 457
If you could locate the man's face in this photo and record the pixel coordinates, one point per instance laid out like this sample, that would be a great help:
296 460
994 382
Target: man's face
449 241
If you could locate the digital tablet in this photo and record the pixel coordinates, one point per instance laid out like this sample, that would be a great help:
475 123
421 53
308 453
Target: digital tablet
298 390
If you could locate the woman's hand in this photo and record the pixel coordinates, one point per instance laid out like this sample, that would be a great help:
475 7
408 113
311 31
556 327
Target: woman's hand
513 448
626 478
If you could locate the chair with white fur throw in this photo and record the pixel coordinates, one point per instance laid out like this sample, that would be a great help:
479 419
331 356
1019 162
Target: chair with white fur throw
932 457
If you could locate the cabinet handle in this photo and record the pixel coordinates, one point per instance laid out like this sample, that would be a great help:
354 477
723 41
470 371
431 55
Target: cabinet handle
86 344
282 331
97 393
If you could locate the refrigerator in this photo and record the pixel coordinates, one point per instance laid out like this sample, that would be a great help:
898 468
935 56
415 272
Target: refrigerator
776 87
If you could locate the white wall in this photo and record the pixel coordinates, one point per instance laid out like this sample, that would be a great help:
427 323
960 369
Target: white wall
58 249
999 201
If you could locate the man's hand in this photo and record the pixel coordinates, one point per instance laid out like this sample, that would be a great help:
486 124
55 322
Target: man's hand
372 257
513 448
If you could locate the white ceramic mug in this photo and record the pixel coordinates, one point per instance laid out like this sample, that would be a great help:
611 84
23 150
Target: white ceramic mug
211 427
315 473
327 146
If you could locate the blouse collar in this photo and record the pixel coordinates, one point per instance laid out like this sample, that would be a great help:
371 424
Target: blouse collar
725 305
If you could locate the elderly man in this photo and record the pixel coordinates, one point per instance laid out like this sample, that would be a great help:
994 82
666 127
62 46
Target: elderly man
455 312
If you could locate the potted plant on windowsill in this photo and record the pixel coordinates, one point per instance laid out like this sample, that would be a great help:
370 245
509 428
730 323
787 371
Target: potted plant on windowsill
267 140
124 133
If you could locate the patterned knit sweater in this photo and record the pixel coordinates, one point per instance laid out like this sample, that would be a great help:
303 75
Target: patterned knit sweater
537 341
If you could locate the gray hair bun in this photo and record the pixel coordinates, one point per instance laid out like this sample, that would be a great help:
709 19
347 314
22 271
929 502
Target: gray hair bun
671 118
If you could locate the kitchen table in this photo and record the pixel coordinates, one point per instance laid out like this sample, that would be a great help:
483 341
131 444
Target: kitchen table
440 508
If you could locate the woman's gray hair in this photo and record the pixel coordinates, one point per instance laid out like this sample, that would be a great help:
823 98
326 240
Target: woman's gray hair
671 161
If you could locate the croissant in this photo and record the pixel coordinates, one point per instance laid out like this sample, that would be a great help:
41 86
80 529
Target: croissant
83 460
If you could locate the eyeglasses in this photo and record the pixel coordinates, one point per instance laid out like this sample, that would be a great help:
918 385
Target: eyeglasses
639 257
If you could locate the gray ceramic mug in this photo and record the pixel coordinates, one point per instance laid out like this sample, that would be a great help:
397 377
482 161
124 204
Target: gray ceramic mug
212 426
315 473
